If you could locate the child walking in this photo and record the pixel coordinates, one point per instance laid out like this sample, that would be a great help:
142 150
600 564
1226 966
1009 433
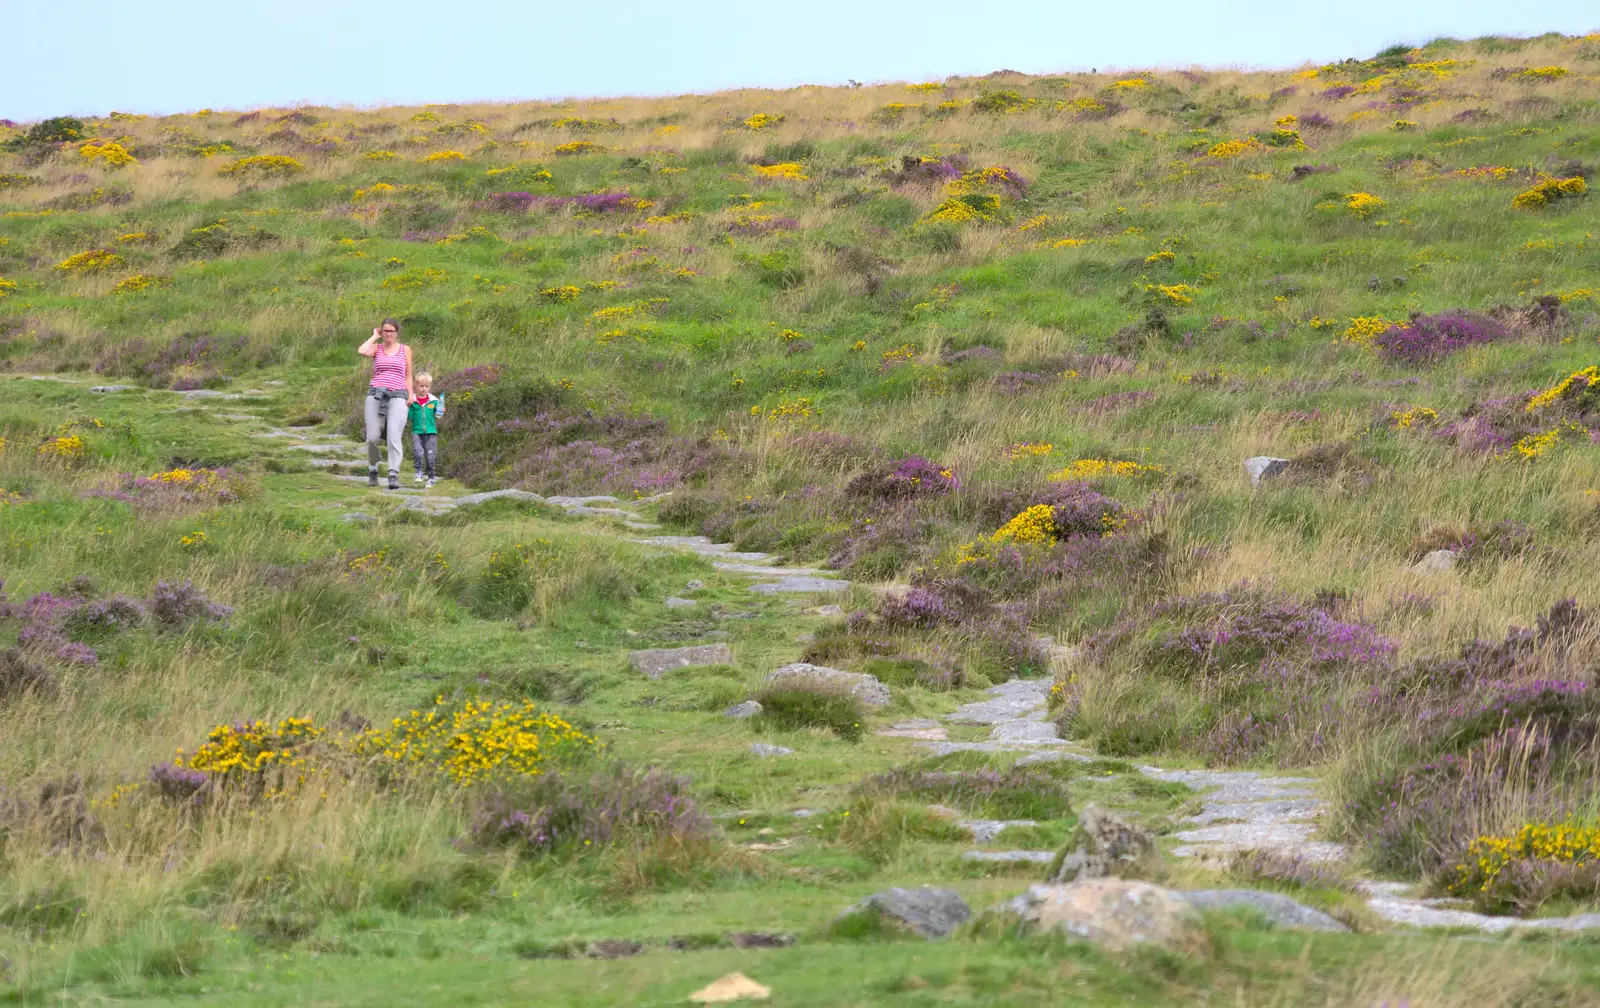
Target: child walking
425 414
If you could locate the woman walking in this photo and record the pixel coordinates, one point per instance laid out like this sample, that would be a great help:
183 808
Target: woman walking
389 397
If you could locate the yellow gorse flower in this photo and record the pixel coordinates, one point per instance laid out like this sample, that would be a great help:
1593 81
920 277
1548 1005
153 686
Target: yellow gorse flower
108 153
90 261
1028 449
1484 862
1589 376
263 164
475 740
784 170
1093 468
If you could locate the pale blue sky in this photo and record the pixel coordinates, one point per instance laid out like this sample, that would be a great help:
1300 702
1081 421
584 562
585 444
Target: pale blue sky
93 56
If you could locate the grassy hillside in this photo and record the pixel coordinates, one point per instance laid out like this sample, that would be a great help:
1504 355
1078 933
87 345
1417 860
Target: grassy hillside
994 349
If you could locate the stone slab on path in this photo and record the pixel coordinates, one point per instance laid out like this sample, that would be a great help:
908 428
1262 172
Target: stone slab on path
655 662
1278 909
799 585
922 729
1016 698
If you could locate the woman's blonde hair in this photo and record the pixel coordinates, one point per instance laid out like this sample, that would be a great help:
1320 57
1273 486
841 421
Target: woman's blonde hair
424 376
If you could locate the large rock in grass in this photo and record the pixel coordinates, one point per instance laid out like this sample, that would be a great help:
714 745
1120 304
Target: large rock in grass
1437 562
1101 845
654 662
927 912
1112 913
869 689
1264 467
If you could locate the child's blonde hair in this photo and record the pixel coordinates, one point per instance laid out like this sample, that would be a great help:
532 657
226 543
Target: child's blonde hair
424 376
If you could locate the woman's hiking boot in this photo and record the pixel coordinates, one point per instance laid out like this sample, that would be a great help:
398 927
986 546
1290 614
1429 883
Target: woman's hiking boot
394 480
372 476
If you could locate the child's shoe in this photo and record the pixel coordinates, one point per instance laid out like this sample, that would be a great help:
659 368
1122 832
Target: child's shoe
420 478
431 482
372 476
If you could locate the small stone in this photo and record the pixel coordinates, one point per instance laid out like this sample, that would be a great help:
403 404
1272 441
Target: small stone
1101 844
733 987
1264 467
357 516
804 638
680 603
653 662
943 812
869 689
830 610
748 709
925 911
1278 909
1112 913
765 749
111 388
695 585
1437 562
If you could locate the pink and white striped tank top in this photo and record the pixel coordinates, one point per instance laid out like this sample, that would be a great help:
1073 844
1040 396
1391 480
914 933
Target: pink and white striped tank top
389 370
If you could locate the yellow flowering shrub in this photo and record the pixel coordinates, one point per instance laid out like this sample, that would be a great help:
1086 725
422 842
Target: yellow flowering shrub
106 153
782 170
1165 255
376 189
63 448
1131 84
1534 445
1026 450
1485 872
139 282
1094 468
761 120
414 279
1180 294
796 410
7 287
381 155
1544 73
925 87
1236 148
263 164
577 147
445 155
1417 416
472 741
1364 329
560 295
1574 385
1363 204
91 261
970 209
251 749
1549 190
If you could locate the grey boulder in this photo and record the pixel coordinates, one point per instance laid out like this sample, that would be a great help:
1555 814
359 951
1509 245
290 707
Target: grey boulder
1111 913
748 709
925 911
1264 467
869 689
1436 562
1101 845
